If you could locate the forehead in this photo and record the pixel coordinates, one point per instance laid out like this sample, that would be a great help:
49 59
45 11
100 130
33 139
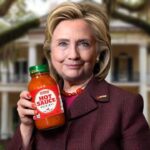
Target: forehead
70 28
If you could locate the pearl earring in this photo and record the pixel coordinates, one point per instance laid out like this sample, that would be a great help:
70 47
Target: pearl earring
97 59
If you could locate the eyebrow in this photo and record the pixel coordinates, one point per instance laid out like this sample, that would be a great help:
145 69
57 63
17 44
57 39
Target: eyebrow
62 39
82 39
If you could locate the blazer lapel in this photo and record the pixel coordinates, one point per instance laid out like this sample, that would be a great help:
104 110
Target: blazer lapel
95 92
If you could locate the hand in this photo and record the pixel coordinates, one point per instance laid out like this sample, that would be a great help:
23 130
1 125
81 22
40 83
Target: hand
26 109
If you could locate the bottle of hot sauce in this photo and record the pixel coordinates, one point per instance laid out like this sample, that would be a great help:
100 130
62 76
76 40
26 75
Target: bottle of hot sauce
46 96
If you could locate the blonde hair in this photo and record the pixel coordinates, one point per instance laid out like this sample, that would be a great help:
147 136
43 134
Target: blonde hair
95 15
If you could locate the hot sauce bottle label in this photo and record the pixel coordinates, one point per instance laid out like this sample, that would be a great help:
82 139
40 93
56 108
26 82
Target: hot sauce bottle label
48 102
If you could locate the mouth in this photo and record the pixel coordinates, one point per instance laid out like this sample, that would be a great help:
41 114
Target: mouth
73 66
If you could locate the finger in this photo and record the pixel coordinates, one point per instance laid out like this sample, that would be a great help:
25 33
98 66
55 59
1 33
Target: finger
36 115
26 112
25 95
26 104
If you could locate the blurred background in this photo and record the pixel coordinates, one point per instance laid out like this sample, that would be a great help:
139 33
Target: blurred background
22 25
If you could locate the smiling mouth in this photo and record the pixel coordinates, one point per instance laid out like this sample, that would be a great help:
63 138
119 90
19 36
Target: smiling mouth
73 66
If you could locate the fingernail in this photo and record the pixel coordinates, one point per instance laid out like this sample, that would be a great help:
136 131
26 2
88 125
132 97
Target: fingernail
33 106
28 95
35 112
34 118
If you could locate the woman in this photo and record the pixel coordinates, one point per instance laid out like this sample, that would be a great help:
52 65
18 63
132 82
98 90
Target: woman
100 116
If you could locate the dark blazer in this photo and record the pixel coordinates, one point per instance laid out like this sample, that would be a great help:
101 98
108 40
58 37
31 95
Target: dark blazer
103 117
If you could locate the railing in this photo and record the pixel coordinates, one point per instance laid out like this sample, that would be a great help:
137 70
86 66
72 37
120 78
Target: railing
23 78
126 78
134 78
13 78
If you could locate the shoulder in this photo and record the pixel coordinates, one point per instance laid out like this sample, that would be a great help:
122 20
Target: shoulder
130 105
114 94
121 96
115 91
127 99
112 90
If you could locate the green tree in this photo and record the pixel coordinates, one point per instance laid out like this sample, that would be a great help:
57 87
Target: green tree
18 24
140 7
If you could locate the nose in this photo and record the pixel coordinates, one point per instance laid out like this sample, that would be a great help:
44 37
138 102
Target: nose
73 52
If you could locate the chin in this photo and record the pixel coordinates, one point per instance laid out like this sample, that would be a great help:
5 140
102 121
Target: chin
72 78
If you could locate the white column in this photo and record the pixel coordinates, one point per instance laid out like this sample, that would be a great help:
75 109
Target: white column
4 72
4 103
4 116
143 76
11 71
32 55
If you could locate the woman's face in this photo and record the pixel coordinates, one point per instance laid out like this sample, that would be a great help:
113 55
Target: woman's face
73 50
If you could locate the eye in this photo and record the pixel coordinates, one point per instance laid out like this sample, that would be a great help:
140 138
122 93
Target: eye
62 44
84 43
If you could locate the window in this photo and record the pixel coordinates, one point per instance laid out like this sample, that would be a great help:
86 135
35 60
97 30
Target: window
21 70
123 68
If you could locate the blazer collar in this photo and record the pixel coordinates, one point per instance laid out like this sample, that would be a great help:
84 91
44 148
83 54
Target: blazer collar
95 92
